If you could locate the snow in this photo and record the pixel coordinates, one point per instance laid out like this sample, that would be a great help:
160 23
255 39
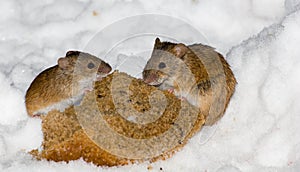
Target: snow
260 38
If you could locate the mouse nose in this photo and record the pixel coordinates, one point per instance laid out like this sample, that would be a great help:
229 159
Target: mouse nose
104 68
149 76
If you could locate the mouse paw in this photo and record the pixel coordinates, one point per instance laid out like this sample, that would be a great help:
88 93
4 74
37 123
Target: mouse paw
182 98
86 90
36 115
171 90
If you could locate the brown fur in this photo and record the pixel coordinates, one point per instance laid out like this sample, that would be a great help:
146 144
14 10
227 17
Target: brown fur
196 72
61 82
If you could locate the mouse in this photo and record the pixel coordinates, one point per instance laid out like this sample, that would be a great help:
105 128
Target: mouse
64 84
195 73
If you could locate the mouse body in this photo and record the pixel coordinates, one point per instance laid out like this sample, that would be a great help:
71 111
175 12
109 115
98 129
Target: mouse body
64 84
196 73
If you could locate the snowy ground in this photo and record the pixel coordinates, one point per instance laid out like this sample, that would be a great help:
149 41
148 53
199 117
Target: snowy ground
260 130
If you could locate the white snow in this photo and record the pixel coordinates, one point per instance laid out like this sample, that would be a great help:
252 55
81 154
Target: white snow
260 38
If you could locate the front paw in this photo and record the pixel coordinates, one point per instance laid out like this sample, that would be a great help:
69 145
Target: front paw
87 90
171 90
182 98
36 115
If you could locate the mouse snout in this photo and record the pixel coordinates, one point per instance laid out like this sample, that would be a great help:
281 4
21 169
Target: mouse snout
104 68
149 76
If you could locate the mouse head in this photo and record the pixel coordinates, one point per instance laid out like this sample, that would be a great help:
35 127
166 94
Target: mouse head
83 64
166 62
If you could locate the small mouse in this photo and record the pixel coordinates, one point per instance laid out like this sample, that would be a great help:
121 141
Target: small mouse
196 73
64 84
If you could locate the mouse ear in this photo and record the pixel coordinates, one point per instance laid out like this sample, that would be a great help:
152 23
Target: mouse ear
157 43
71 53
63 62
180 50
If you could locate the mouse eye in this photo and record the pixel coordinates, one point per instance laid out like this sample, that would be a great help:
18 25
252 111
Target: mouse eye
91 65
161 65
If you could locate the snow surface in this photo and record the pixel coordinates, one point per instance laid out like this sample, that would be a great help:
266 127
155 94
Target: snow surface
260 130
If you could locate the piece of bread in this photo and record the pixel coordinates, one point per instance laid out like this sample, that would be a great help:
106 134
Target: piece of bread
124 103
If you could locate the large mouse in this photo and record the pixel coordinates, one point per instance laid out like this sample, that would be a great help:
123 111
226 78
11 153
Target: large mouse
196 73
